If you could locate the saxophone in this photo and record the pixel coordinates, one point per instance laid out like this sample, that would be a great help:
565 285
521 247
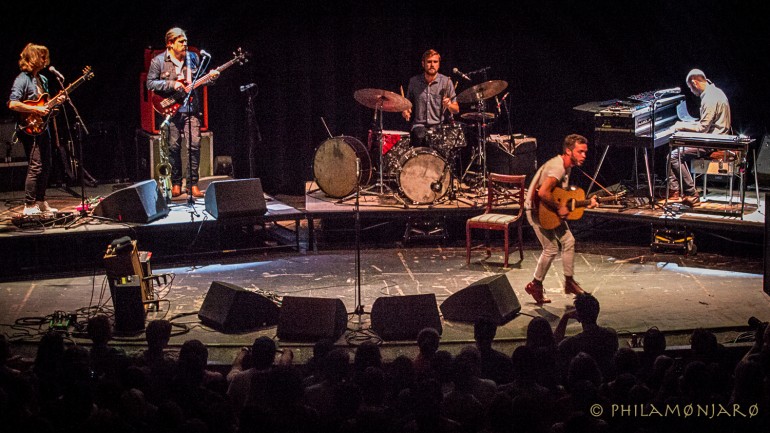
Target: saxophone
163 169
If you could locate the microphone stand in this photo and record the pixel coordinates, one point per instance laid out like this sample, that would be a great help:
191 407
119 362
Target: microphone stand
80 129
188 121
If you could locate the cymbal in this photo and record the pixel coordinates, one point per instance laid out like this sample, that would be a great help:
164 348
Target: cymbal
386 100
478 116
481 91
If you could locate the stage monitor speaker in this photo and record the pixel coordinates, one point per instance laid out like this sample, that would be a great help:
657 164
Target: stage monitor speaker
402 317
763 162
491 297
232 309
127 301
141 202
766 261
234 198
311 319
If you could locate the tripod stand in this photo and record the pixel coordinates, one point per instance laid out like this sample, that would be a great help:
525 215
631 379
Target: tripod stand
380 188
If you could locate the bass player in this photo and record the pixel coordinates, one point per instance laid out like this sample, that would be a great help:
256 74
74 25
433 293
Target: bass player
28 87
169 73
555 173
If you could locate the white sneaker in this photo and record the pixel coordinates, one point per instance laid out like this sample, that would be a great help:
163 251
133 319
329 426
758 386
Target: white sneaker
31 209
46 208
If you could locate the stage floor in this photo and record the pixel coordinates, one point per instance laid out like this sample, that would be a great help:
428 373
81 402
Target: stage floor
636 288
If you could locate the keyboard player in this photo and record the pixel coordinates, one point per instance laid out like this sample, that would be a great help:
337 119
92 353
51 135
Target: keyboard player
714 119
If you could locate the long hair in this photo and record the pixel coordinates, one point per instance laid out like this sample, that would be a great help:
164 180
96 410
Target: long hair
33 57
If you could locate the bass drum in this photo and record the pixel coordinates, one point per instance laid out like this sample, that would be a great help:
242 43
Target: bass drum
424 176
334 166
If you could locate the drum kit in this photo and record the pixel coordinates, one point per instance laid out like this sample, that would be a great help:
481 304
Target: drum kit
423 175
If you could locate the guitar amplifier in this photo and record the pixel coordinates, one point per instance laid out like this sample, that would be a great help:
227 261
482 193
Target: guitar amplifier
150 119
148 155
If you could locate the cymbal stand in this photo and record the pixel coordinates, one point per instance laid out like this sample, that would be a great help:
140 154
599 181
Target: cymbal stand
380 188
481 156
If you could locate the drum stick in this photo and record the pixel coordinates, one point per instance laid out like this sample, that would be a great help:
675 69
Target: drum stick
402 90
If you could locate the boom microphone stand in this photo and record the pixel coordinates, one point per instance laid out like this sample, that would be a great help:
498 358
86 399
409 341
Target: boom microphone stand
80 129
188 120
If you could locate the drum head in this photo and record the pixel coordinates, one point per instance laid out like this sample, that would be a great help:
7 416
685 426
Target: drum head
334 165
424 176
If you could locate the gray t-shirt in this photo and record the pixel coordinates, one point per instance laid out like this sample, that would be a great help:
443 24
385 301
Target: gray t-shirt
554 167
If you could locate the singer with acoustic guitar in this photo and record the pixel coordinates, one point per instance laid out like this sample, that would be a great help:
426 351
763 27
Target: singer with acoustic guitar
172 73
550 176
28 93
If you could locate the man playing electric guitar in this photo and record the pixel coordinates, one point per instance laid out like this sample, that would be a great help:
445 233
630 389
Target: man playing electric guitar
29 85
555 173
170 72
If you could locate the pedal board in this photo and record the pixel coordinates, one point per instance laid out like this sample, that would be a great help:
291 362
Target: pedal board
670 240
47 220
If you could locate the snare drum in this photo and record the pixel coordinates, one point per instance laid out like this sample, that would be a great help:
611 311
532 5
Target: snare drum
424 175
334 166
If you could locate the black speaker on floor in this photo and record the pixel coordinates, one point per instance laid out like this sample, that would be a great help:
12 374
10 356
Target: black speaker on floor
766 262
311 319
141 202
129 309
234 198
231 309
402 317
492 297
518 156
763 161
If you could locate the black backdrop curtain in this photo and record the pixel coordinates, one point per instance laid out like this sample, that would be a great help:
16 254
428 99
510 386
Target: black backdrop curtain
309 57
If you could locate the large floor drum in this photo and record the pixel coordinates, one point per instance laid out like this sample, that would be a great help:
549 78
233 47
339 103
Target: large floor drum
334 166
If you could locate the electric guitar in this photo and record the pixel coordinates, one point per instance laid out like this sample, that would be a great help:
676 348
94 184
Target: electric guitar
35 123
574 199
169 105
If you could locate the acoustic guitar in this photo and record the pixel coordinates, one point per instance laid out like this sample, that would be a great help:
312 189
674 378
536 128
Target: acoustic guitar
574 199
34 123
169 105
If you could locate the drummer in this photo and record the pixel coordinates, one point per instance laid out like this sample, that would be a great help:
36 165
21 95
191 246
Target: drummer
432 95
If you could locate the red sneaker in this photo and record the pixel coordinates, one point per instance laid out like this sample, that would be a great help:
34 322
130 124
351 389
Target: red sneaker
535 288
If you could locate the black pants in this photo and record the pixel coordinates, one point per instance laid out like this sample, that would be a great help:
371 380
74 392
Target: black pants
179 127
38 148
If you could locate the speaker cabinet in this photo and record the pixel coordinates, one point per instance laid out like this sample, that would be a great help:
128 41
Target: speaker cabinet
492 297
127 301
512 156
311 319
231 309
233 198
402 317
139 203
148 155
763 162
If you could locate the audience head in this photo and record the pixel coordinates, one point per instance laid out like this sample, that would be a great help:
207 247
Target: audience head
158 334
539 333
484 331
428 341
262 353
367 355
654 342
99 329
336 365
587 308
626 360
583 367
704 343
5 349
193 357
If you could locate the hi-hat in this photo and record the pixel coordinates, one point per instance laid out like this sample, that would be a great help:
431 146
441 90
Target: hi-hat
482 91
475 116
382 99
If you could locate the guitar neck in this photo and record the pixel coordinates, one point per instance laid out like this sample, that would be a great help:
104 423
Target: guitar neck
59 98
208 77
584 203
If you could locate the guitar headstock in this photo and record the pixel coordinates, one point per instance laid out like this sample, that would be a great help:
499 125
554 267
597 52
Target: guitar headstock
87 73
241 56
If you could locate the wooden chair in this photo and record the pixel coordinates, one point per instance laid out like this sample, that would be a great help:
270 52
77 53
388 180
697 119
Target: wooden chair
504 193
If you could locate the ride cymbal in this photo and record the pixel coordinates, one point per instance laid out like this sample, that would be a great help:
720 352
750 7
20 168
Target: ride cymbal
382 99
482 91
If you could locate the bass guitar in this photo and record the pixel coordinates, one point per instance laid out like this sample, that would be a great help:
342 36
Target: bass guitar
34 123
169 105
574 199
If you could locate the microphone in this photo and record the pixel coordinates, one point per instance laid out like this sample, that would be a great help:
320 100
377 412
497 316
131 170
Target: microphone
436 186
57 73
672 90
505 96
246 87
205 53
457 72
499 113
